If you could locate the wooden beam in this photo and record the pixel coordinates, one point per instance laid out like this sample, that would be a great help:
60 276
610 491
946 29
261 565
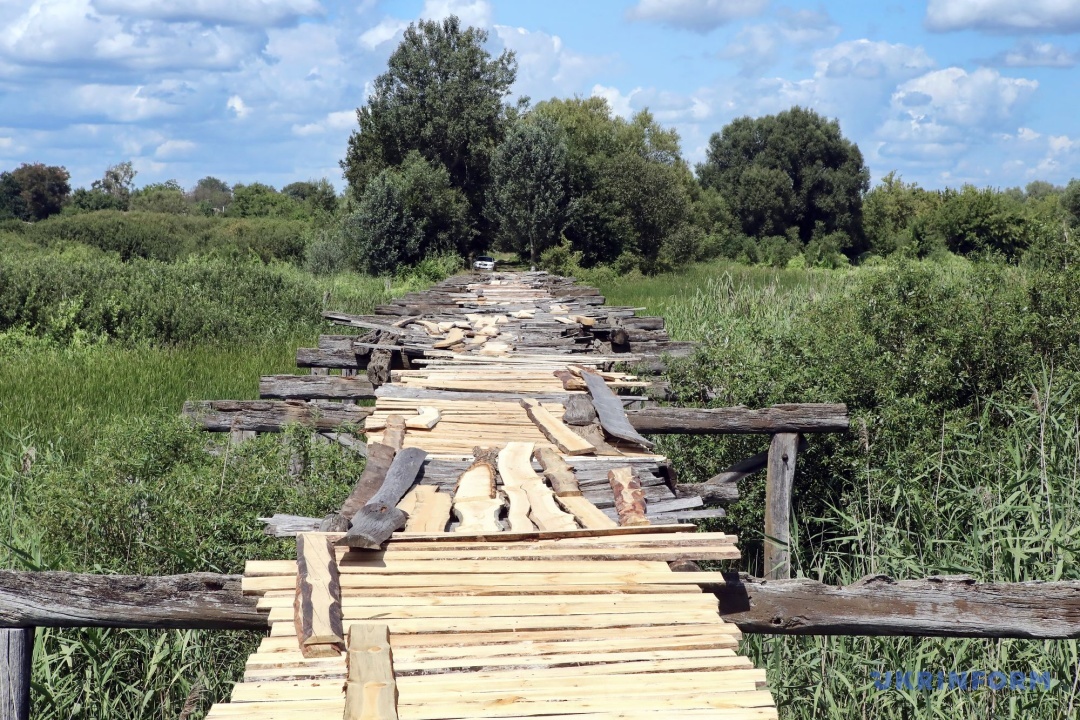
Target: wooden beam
61 599
374 523
793 418
371 690
272 415
942 606
317 605
362 322
877 605
778 484
329 358
316 387
16 659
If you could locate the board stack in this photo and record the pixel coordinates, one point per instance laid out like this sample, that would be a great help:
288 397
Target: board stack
525 568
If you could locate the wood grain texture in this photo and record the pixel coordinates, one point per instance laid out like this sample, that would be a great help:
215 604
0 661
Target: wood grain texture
476 504
558 473
429 510
791 418
316 387
374 523
609 409
272 415
380 457
16 659
371 690
629 499
317 606
778 484
554 430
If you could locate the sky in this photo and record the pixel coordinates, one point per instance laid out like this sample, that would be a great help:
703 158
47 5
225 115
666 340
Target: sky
944 92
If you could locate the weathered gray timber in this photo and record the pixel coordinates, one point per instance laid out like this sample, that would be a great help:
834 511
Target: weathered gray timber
374 523
609 409
316 387
779 481
16 659
380 457
62 599
362 322
943 606
328 358
791 418
272 415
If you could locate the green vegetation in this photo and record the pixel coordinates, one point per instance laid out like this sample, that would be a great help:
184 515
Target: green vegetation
962 383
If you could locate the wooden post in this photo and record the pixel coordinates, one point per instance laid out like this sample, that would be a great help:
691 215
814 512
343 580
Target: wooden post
16 655
781 473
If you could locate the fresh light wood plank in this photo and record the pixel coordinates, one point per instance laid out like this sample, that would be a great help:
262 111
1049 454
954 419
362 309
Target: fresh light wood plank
371 691
629 499
554 430
317 606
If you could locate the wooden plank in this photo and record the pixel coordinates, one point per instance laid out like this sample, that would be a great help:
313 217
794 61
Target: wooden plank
426 419
379 518
554 430
629 500
394 434
379 458
587 514
519 478
310 387
515 475
558 473
610 411
16 660
430 511
790 418
272 415
778 483
371 690
362 322
317 606
476 504
541 535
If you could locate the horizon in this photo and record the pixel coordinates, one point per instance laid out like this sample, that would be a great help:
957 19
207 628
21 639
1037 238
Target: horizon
945 92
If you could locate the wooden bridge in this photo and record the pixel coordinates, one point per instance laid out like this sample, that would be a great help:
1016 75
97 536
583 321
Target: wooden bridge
506 551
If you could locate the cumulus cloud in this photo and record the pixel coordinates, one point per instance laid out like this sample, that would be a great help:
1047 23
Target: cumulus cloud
619 103
120 103
1056 16
1030 53
237 105
546 66
471 12
174 148
385 31
336 121
697 15
757 47
259 13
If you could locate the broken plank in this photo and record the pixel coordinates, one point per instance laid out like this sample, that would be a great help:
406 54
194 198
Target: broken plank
568 442
629 499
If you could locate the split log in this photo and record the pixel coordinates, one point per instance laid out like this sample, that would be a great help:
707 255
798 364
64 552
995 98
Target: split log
629 499
376 522
61 599
312 387
555 431
558 473
428 510
394 434
942 606
317 607
370 690
610 410
329 358
272 415
476 504
380 456
378 367
578 410
791 418
16 661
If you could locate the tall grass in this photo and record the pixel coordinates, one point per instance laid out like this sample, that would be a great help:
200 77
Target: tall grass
964 455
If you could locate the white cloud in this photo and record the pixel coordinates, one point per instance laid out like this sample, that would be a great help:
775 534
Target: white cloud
174 148
1030 53
1056 16
758 46
698 15
619 103
385 31
120 103
470 12
236 104
546 67
260 13
335 121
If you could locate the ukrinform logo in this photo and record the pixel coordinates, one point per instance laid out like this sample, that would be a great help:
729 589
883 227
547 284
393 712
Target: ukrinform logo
969 680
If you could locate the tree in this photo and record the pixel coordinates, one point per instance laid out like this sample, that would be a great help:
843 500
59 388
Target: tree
118 183
790 173
12 204
407 213
43 189
889 210
527 197
211 195
1070 200
974 220
318 195
261 200
442 95
166 197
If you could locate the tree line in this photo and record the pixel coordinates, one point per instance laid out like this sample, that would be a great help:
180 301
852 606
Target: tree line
442 164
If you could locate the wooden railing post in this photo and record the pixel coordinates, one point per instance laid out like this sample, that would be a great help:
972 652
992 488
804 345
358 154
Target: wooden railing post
778 482
16 655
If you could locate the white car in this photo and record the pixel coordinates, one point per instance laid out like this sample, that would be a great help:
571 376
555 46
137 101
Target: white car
484 263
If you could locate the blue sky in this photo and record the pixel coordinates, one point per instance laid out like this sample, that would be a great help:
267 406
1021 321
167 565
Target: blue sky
943 91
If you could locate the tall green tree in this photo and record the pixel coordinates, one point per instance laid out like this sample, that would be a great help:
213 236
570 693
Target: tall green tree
793 173
211 195
528 194
43 189
405 214
443 96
